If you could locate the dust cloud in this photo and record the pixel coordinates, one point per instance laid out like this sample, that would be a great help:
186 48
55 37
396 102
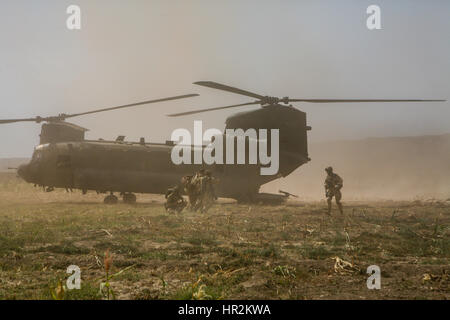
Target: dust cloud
395 168
404 168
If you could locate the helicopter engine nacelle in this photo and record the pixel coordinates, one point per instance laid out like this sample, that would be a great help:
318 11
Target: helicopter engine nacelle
55 132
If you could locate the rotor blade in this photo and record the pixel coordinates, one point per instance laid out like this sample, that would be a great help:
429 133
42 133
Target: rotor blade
130 105
211 109
17 120
360 100
215 85
62 117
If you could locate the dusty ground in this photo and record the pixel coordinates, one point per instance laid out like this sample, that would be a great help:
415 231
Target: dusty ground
233 252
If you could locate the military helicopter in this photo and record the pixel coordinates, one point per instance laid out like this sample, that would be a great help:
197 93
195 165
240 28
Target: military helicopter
64 159
64 156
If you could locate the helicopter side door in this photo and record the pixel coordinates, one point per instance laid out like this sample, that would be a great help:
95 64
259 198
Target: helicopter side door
64 168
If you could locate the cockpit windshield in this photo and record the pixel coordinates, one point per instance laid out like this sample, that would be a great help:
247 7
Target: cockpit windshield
38 152
37 155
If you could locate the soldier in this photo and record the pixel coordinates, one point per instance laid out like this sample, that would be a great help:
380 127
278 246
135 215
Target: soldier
210 181
333 186
208 195
200 190
188 189
200 184
174 200
192 187
200 174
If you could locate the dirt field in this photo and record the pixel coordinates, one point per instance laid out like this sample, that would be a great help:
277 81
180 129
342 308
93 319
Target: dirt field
233 252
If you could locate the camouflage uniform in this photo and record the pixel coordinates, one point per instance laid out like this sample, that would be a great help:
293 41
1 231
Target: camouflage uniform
200 190
210 182
174 200
192 187
208 195
333 185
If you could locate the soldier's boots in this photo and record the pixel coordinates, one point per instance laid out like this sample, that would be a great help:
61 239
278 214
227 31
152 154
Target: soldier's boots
339 204
329 207
341 210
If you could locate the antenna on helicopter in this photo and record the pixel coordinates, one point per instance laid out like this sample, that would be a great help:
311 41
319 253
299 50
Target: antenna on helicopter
266 101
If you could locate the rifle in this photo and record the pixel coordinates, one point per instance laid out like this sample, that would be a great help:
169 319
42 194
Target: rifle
287 194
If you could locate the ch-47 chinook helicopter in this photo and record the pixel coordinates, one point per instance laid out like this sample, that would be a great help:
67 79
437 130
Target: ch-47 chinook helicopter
64 159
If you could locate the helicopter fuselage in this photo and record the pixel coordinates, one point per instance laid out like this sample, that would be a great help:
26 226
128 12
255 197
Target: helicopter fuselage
111 166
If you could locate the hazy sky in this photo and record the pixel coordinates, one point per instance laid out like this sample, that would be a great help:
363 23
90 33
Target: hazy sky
135 50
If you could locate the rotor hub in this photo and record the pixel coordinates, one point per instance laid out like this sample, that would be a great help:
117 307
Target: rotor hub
267 100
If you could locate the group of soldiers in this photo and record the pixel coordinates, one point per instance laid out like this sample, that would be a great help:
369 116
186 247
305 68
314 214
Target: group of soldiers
200 191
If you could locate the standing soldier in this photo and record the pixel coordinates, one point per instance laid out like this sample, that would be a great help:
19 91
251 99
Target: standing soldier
193 186
333 186
208 194
190 190
201 187
198 182
210 182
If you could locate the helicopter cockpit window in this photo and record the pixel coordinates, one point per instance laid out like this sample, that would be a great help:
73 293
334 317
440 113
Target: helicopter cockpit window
37 155
63 161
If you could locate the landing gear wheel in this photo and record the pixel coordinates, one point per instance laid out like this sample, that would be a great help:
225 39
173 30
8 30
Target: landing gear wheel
111 199
129 198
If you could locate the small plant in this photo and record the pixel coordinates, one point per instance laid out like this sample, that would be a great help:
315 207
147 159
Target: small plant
164 283
59 291
105 286
200 293
285 271
194 291
198 290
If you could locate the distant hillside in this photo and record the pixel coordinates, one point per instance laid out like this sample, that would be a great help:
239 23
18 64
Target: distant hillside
386 168
11 162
